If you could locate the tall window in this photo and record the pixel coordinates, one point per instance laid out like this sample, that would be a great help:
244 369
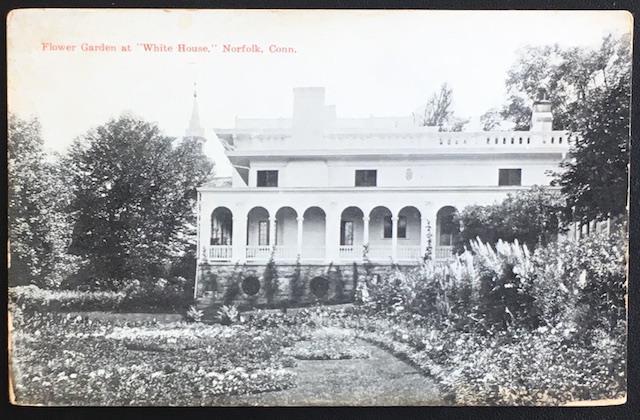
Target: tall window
366 177
267 178
263 232
346 232
402 227
509 176
388 227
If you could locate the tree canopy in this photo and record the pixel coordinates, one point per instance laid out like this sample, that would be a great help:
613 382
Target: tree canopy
134 195
569 75
595 177
38 226
438 113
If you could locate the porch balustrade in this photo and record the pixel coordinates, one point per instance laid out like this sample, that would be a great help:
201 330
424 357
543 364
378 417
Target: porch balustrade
409 253
313 253
444 252
350 252
286 253
220 252
346 253
380 253
258 252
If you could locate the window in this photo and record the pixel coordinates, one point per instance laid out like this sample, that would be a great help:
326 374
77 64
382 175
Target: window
509 176
263 232
366 177
346 232
402 227
267 178
388 227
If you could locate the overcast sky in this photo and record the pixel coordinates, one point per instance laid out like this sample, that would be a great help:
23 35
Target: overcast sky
380 63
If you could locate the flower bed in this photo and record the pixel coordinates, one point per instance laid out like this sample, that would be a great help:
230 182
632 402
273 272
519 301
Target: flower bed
541 367
328 344
60 360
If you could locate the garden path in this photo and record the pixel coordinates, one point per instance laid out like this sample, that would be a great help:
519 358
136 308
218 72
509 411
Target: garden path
381 379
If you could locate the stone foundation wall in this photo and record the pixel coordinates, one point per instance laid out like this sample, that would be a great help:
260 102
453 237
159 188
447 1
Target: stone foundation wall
248 285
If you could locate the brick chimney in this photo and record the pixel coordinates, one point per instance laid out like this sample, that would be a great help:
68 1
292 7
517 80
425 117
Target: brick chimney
541 117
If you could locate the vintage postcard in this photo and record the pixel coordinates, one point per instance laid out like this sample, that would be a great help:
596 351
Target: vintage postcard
318 207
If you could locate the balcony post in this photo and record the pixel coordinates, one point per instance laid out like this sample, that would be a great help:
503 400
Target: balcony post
300 220
394 238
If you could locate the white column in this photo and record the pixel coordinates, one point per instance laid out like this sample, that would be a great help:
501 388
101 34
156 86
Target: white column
300 230
423 233
365 232
272 231
239 237
205 232
394 238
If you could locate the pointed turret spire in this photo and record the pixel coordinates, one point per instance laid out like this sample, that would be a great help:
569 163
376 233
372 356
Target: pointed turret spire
195 129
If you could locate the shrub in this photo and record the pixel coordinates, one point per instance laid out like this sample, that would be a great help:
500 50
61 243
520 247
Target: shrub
158 294
271 278
581 285
297 285
233 288
228 314
194 314
529 216
32 298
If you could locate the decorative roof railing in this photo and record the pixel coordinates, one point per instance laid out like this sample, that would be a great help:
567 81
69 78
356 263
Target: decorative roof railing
557 140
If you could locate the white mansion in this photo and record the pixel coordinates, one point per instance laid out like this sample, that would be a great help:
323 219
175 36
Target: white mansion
323 189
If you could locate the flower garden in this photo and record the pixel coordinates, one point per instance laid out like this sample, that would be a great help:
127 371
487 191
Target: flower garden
497 326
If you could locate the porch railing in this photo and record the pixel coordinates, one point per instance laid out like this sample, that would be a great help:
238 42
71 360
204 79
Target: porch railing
258 252
220 252
444 252
286 253
350 252
380 253
408 253
313 253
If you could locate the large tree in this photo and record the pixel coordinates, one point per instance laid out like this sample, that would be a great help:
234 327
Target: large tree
568 75
595 177
438 113
590 91
38 225
134 196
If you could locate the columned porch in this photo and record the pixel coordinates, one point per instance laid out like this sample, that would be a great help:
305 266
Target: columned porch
380 234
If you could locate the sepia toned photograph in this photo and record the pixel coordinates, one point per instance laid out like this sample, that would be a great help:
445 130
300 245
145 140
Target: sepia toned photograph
318 207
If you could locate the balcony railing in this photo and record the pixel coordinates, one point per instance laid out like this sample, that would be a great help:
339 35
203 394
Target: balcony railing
220 252
444 252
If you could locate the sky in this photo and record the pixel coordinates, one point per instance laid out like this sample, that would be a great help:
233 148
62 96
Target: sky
380 63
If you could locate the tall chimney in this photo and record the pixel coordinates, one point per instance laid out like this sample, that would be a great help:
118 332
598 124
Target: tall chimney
309 114
541 117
